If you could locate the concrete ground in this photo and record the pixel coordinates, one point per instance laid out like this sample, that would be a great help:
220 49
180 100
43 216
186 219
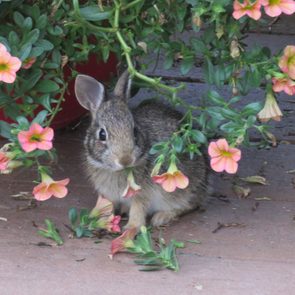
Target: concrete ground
256 257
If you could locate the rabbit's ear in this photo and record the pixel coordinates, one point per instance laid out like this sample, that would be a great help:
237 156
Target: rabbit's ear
89 92
123 86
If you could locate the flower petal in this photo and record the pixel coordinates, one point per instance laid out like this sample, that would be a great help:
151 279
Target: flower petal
181 180
44 145
169 185
41 192
218 164
29 146
231 166
14 63
235 154
58 190
213 149
222 144
47 134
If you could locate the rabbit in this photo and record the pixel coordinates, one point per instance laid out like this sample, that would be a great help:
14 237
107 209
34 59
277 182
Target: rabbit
120 138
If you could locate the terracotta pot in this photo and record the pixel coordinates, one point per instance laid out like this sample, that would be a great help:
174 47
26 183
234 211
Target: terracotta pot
71 109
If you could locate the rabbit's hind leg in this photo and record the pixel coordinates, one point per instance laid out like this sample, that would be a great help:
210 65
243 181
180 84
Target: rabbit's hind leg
164 217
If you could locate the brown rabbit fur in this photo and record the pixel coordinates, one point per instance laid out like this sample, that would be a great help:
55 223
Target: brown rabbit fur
119 137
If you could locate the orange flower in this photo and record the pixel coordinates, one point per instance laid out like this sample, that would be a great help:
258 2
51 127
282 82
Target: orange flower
172 179
287 61
270 110
27 63
9 65
223 157
36 138
247 8
274 8
103 208
48 188
132 187
124 241
283 84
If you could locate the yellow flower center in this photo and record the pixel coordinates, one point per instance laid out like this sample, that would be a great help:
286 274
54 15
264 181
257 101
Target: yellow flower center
35 138
274 2
3 67
226 154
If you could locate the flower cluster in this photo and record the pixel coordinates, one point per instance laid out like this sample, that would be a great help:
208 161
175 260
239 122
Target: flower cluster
272 8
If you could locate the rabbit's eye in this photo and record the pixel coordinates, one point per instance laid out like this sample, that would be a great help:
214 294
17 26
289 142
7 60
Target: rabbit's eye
102 135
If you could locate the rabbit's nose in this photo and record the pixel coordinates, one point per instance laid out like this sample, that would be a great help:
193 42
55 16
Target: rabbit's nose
126 161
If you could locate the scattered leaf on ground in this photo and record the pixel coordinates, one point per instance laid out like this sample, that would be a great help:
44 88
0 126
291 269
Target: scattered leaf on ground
193 241
241 192
255 179
262 199
225 225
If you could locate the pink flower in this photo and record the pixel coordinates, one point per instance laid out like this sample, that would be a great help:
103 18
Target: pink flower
274 8
4 160
287 61
48 188
223 157
27 63
114 222
132 187
284 84
103 208
247 8
36 138
124 241
9 65
172 179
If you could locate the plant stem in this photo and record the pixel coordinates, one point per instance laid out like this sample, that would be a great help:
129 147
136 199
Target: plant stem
57 107
131 4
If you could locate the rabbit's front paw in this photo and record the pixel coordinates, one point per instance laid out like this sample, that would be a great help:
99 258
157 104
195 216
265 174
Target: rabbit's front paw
163 218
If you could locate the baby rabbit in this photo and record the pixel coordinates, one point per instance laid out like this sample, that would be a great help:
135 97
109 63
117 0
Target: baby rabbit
119 137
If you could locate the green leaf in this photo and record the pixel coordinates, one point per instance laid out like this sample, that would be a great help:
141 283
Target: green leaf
42 22
252 108
18 19
186 64
73 216
23 122
25 51
33 36
31 82
28 23
13 38
45 44
156 148
40 118
93 13
177 144
215 98
198 136
46 86
5 130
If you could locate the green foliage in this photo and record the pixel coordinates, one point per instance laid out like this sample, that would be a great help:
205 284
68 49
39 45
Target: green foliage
151 259
51 232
